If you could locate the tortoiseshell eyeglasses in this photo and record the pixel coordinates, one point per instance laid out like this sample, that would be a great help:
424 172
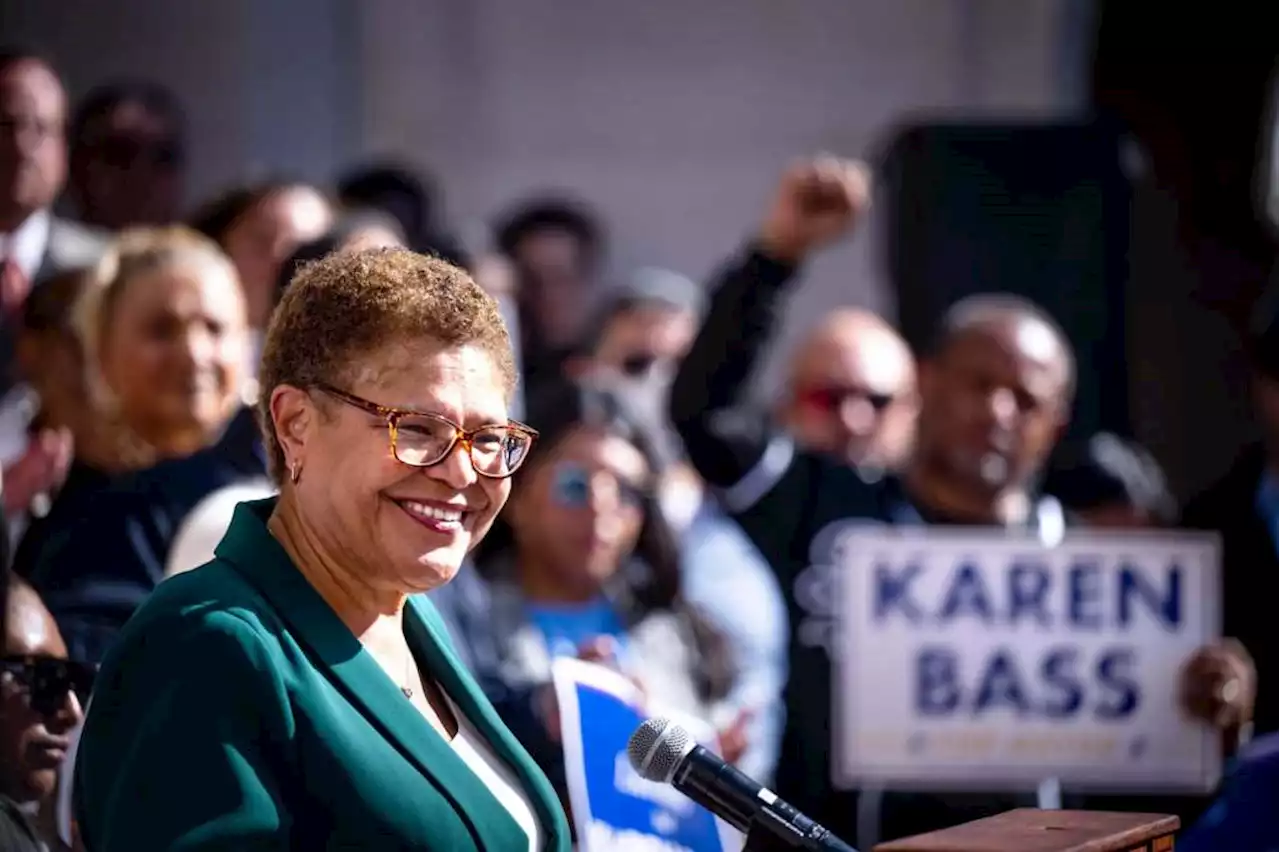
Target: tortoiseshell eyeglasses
420 439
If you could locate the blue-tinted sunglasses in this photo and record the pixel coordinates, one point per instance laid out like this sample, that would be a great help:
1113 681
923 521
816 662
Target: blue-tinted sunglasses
571 488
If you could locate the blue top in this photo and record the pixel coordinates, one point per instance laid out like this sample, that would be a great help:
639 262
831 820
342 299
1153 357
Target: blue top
567 627
1268 503
1243 818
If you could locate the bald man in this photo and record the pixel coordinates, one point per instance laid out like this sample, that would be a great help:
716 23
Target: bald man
995 392
40 706
851 391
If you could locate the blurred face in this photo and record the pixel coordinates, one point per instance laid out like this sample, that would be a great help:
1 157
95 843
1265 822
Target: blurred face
264 237
174 354
39 706
128 169
993 404
554 281
854 399
578 513
33 152
403 529
645 337
372 237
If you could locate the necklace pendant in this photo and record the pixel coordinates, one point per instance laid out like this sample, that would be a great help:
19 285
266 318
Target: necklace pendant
408 691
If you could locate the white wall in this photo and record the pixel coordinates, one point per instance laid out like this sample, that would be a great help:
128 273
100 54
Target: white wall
672 117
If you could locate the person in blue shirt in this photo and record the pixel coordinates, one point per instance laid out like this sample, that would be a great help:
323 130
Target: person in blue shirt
1243 818
582 563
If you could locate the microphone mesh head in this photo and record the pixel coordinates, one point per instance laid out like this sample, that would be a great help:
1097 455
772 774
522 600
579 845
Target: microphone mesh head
657 748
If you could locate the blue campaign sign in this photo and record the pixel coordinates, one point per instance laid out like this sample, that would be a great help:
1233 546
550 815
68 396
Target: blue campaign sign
614 809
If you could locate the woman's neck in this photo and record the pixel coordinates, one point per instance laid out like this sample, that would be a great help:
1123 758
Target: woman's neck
541 583
360 605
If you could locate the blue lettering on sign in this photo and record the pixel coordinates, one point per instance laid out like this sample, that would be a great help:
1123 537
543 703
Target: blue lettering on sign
1115 674
1165 608
1084 606
937 691
1065 693
1000 686
893 592
1054 689
1091 597
967 595
1028 588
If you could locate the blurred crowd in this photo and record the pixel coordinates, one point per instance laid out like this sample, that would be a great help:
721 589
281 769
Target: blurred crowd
669 524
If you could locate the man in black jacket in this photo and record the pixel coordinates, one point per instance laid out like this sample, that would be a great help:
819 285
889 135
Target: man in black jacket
995 394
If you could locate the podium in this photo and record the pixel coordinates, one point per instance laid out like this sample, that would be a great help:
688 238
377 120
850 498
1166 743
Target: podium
1034 830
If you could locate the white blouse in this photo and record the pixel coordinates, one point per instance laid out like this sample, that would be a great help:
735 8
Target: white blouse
476 753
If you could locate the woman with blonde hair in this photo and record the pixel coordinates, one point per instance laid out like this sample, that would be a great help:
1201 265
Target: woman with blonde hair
162 329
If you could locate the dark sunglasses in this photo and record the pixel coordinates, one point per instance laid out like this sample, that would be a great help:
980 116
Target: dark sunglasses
834 398
48 680
571 488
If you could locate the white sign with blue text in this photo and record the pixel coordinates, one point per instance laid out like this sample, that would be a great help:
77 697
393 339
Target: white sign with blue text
978 660
614 809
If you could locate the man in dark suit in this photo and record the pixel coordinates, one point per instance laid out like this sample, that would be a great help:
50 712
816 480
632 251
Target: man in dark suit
35 245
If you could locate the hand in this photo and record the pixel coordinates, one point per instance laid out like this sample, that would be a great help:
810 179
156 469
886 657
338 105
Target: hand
40 470
1219 684
603 651
817 202
732 741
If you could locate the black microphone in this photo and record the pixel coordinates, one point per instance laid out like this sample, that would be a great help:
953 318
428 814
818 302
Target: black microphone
662 751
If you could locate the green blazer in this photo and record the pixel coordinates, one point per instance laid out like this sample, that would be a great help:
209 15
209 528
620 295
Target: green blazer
238 712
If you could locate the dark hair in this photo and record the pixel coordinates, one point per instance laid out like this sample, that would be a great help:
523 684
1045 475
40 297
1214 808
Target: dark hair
155 98
1109 470
551 214
411 199
218 216
649 582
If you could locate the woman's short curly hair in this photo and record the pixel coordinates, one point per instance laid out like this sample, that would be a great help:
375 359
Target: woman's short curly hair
348 305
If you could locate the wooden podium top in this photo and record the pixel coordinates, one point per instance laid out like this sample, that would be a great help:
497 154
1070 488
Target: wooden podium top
1034 830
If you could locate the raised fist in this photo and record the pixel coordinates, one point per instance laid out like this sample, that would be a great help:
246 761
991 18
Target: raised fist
818 201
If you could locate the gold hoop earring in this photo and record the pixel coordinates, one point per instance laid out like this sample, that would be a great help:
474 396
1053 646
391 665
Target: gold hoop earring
295 471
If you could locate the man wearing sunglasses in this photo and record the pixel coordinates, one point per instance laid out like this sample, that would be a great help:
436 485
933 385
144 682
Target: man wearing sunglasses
851 392
995 393
41 700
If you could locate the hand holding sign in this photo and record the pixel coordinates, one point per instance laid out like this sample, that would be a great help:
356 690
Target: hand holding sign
1219 684
603 651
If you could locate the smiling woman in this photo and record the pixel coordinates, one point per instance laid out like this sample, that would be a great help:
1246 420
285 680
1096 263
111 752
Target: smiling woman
386 378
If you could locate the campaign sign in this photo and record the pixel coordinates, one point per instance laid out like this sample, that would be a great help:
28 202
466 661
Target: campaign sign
614 809
974 659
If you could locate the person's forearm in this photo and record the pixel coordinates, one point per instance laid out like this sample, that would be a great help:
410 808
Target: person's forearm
724 434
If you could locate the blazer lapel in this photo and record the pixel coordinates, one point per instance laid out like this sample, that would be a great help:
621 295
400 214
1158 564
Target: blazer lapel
434 646
339 655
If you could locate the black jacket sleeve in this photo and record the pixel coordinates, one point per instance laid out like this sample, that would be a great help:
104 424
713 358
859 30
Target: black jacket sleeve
725 436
